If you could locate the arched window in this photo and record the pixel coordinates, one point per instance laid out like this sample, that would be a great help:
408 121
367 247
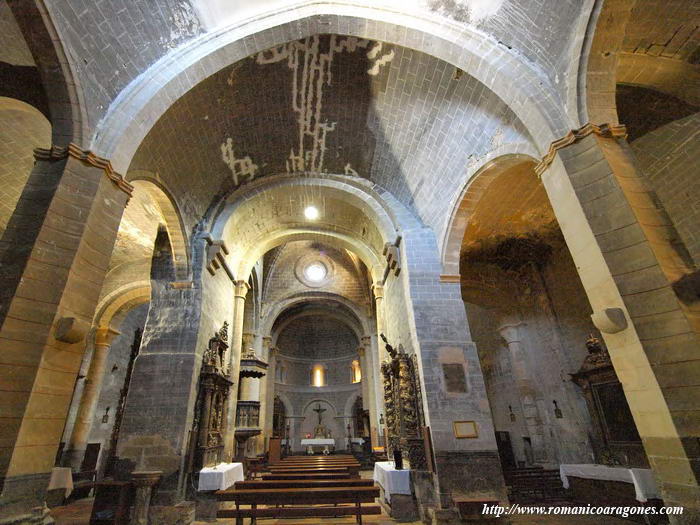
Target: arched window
318 375
356 371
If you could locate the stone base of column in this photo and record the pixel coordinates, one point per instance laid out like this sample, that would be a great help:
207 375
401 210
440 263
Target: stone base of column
37 516
474 474
24 496
181 514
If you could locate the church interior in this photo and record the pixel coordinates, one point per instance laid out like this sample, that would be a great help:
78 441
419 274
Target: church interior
345 262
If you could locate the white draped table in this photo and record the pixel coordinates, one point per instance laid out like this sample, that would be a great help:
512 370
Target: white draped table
220 477
391 480
642 478
326 443
318 442
61 478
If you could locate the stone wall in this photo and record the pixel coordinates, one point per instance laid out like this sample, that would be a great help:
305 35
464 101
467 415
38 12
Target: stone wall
554 322
22 128
669 158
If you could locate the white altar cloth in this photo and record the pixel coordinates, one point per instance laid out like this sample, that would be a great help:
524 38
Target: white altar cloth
391 480
61 478
642 478
220 477
318 442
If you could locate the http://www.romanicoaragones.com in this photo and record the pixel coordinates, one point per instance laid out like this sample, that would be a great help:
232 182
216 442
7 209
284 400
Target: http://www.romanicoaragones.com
583 510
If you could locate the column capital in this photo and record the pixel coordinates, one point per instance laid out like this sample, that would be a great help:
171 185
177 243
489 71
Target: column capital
602 130
241 289
267 341
87 157
510 330
105 335
366 341
378 291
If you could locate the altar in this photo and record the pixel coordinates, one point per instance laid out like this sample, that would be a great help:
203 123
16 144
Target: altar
318 444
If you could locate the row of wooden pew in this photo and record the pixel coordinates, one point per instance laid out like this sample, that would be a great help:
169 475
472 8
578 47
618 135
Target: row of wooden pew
303 486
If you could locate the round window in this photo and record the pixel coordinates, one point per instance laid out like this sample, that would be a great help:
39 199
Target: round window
315 272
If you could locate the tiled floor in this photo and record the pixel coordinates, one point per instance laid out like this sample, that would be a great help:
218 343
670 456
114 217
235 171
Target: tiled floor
78 513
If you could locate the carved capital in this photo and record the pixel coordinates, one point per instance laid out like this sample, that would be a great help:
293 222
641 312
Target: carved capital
56 153
366 341
241 289
378 291
575 135
105 335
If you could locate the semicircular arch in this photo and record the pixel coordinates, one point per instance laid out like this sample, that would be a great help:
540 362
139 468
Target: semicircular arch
132 115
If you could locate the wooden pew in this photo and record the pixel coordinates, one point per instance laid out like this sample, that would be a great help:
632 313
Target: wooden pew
298 496
348 471
301 483
312 475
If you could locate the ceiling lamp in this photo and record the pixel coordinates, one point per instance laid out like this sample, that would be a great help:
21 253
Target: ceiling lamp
311 213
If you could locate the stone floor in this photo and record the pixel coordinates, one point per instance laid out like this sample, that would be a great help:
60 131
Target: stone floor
78 513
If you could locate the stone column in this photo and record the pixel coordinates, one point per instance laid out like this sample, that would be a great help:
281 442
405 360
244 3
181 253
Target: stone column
266 395
54 255
367 363
144 481
380 355
378 292
511 331
90 396
240 291
633 268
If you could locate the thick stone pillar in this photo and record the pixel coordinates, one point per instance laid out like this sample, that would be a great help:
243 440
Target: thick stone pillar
156 424
425 314
90 396
53 258
510 330
632 268
240 291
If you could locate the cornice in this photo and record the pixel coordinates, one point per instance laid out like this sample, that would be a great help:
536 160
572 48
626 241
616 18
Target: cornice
87 157
575 135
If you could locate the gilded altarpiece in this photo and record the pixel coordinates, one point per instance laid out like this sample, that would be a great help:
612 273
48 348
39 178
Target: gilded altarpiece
210 411
402 405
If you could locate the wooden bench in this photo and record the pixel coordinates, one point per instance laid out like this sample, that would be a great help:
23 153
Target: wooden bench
306 475
302 483
298 496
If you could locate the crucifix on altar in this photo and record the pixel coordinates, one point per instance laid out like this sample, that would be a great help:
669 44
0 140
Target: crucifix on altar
320 431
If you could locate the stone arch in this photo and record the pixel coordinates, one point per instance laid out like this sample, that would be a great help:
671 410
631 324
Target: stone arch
604 64
172 217
125 297
132 115
288 406
272 315
464 206
319 400
350 404
341 317
65 97
356 196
